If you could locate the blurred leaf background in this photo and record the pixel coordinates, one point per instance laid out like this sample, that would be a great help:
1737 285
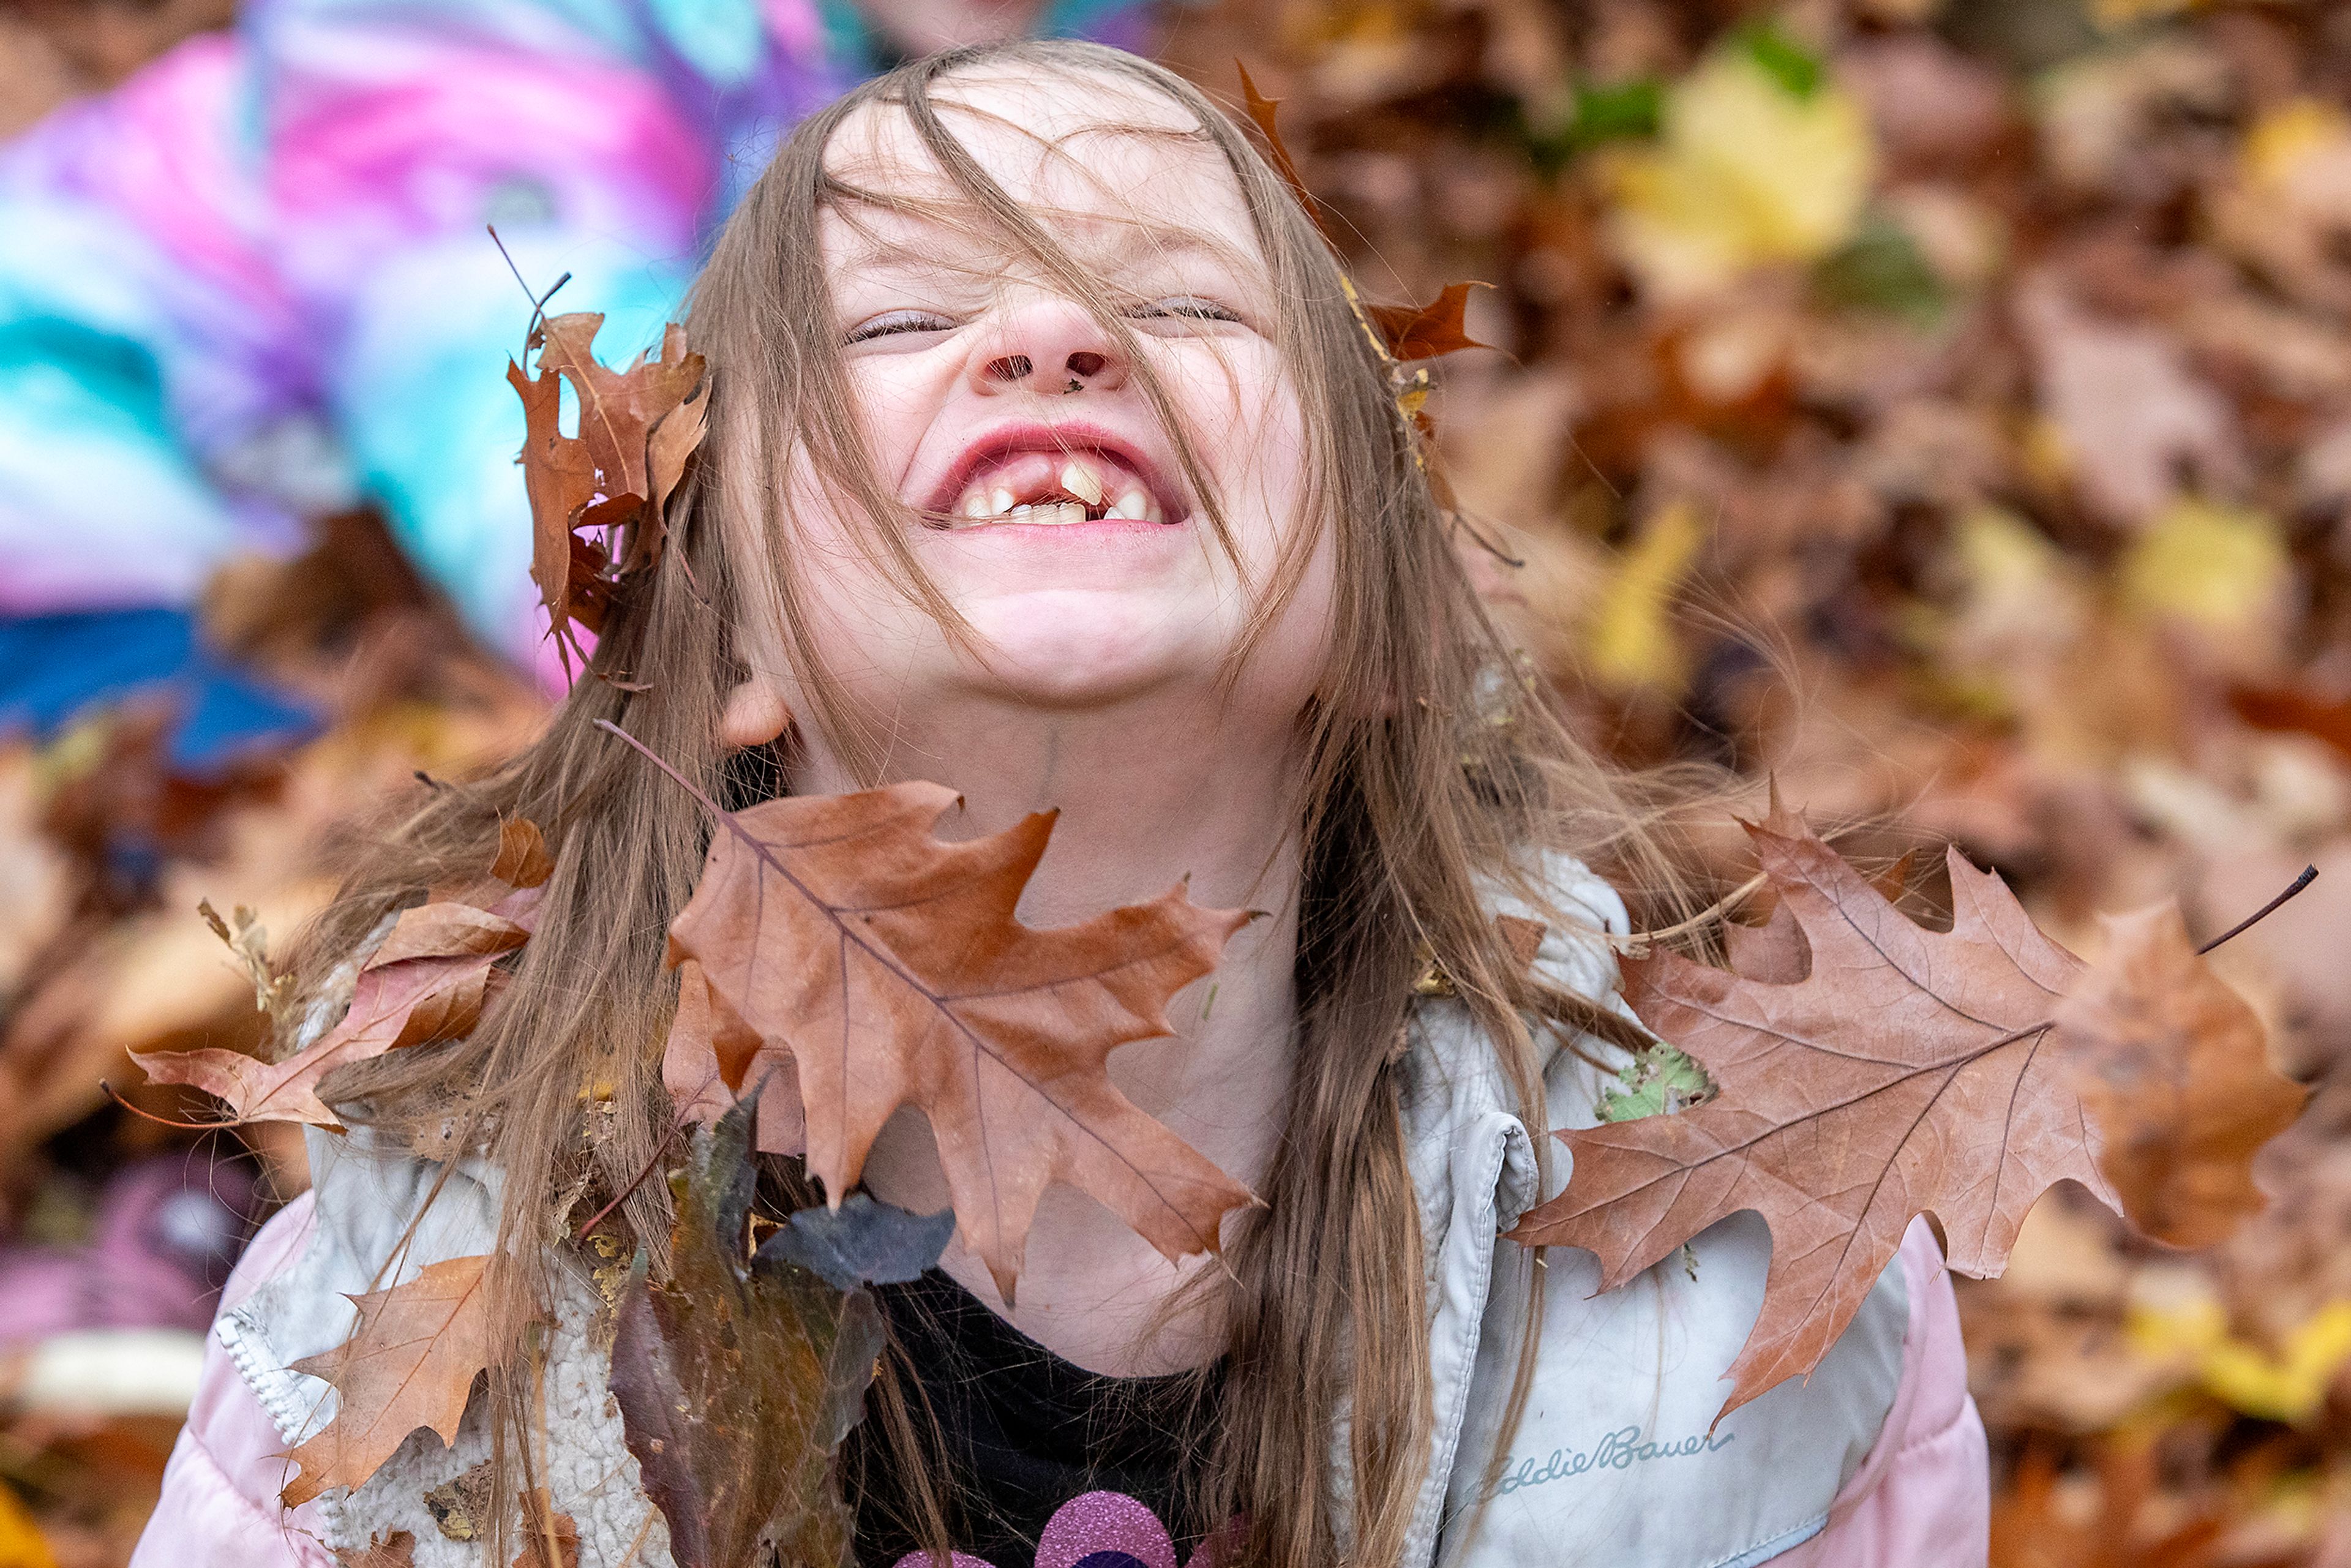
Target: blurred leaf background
1943 408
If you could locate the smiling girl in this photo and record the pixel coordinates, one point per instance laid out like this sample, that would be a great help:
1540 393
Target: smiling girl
1048 460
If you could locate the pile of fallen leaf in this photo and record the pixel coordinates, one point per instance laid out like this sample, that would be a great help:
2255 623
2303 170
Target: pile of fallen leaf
1945 409
1945 406
108 850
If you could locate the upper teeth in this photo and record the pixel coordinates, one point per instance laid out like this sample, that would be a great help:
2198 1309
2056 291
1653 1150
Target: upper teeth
1078 478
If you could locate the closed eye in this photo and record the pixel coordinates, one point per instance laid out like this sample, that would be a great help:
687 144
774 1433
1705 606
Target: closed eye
889 323
1190 304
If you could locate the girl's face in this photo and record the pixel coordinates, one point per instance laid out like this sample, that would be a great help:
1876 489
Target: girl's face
1057 518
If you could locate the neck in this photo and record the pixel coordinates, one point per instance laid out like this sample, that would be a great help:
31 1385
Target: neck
1136 818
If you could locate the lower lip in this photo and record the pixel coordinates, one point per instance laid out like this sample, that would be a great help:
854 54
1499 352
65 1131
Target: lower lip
1100 529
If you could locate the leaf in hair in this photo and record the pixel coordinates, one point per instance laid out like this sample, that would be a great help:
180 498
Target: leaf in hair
737 1377
864 1243
522 860
1263 112
893 969
427 980
1426 331
637 429
410 1363
394 1549
551 1538
560 480
1909 1072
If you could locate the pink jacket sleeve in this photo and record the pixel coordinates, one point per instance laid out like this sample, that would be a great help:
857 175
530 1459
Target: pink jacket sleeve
1923 1497
219 1508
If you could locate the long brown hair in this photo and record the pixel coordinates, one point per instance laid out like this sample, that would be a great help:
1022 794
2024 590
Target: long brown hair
1432 774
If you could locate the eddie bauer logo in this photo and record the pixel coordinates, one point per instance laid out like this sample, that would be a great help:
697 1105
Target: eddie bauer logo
1619 1450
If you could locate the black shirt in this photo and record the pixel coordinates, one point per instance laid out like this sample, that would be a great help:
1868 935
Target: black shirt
1026 1432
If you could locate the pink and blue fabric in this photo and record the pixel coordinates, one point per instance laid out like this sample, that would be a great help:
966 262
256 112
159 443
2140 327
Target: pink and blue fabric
252 286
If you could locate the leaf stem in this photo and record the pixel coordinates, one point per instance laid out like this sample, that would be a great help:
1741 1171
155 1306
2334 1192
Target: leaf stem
537 301
115 1095
635 1182
2309 874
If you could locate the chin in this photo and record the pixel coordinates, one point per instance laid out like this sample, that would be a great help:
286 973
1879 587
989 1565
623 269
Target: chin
1080 651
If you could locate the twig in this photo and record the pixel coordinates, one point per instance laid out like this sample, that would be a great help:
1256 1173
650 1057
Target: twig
2309 874
1637 944
537 301
115 1095
622 1195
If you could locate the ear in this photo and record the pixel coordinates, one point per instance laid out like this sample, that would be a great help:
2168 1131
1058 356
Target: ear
755 714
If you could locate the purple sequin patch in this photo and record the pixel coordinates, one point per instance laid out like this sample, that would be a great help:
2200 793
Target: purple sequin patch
1099 1530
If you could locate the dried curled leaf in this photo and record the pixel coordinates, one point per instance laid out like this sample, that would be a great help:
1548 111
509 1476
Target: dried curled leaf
523 860
737 1379
1426 331
1263 112
892 969
428 980
409 1362
2172 1066
1405 332
246 938
550 1539
1908 1071
397 1550
637 429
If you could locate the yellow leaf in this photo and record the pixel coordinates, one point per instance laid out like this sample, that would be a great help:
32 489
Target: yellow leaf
2289 1385
2282 142
21 1543
1630 645
2219 568
1747 173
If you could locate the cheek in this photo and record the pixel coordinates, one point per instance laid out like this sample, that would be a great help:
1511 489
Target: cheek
1242 414
895 403
857 620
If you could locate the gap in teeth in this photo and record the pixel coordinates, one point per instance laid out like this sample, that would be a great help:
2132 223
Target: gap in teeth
1079 493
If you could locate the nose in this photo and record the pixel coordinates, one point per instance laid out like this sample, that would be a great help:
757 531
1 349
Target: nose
1048 346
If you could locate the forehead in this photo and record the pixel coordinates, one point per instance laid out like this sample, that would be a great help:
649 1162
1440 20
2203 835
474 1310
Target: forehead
1080 144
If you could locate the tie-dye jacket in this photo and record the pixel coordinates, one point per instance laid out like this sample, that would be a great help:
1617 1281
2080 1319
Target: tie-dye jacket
1877 1458
252 283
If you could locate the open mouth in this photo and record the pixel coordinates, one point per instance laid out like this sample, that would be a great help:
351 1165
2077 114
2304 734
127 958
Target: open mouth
1052 488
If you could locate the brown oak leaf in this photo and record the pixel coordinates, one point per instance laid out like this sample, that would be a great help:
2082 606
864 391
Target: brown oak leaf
1406 331
1426 331
1909 1072
618 409
550 1540
523 860
428 980
711 1053
397 1550
638 428
2172 1065
559 479
892 969
409 1362
1263 112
